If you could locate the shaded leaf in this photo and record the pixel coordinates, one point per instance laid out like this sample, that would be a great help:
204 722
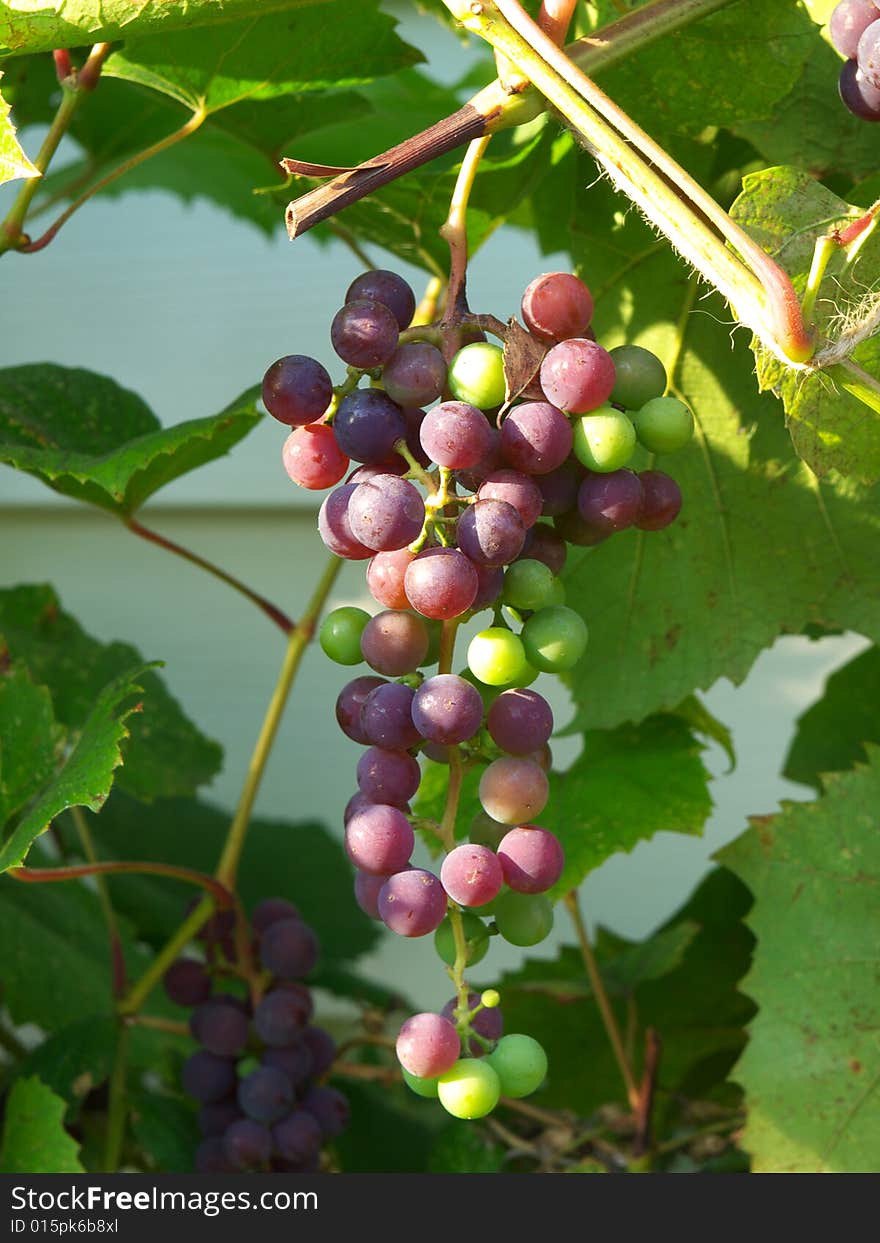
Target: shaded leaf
166 1129
407 1129
29 739
463 1149
34 1138
76 1059
831 735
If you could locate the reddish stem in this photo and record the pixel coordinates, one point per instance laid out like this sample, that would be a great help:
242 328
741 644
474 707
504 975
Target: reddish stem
222 896
63 64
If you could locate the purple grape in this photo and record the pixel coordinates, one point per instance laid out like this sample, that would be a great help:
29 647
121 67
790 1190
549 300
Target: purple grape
415 375
456 435
322 1048
531 858
220 1026
390 777
289 949
559 489
386 513
388 288
187 982
395 643
518 490
520 721
447 710
266 1094
557 305
247 1144
574 530
513 790
329 1108
211 1158
542 543
368 424
297 390
471 875
491 533
215 1118
269 911
356 803
848 22
379 840
428 1045
366 893
610 502
471 479
386 717
661 501
536 438
294 1060
335 528
364 333
297 1137
489 1023
349 705
412 903
857 94
280 1016
208 1078
441 583
490 580
577 376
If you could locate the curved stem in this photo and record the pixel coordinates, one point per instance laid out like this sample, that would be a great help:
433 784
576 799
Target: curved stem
40 876
454 233
137 995
117 957
277 615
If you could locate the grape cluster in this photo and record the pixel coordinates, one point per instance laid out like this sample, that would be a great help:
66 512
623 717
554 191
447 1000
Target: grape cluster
491 470
855 31
257 1075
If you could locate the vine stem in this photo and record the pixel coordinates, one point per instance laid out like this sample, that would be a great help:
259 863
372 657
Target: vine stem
607 1014
454 231
277 615
139 992
117 957
116 1105
98 868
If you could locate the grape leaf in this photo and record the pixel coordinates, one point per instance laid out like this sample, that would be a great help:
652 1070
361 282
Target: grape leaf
34 1138
166 755
831 735
166 1129
75 1059
811 1069
462 1149
14 164
89 438
30 738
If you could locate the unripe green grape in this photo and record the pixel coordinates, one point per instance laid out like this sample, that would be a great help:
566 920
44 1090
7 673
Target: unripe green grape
554 639
523 918
490 998
520 1063
639 376
664 425
476 936
484 831
528 585
496 656
476 375
340 635
421 1087
604 440
470 1089
557 593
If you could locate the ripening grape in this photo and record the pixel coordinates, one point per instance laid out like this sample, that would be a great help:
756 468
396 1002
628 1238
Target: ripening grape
554 639
664 425
471 875
576 530
476 375
557 305
520 1064
349 704
513 790
491 533
447 710
520 721
415 375
518 490
604 441
297 1137
639 376
379 840
289 949
295 1060
535 438
487 1023
329 1108
848 22
484 831
412 903
610 502
558 489
207 1077
661 501
387 717
187 982
269 911
523 919
312 457
221 1026
297 390
321 1047
280 1015
476 939
471 1089
394 643
366 893
247 1145
531 859
542 543
334 527
857 94
868 54
427 1045
390 777
364 333
385 575
441 583
577 376
490 580
386 513
456 435
388 288
340 635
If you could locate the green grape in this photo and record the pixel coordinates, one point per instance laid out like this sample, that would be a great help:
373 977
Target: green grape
604 440
523 918
639 376
664 425
528 585
488 693
520 1063
490 998
476 375
557 593
476 936
470 1089
484 831
554 639
496 656
340 635
421 1087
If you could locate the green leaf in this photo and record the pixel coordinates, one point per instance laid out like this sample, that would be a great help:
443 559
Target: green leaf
811 1070
407 1128
832 733
166 754
166 1129
463 1149
785 210
14 164
29 739
76 1059
34 1138
696 715
89 438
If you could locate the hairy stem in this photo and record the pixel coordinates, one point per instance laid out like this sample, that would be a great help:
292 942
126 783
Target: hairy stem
117 957
116 1108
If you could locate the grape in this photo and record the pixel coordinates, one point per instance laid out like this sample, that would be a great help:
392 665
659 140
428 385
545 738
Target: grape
312 458
610 502
558 490
322 1048
187 982
520 1064
639 376
476 375
390 777
289 949
604 441
490 462
210 1157
497 657
531 859
422 1087
523 919
364 333
215 1118
395 643
868 54
490 580
491 533
488 1023
387 718
412 903
388 288
520 721
280 1016
221 1026
664 425
386 514
471 1089
471 875
297 390
298 1137
295 1060
340 635
266 1094
476 938
577 376
848 22
356 803
427 1045
208 1078
554 639
379 840
415 375
247 1144
441 583
447 710
366 893
543 544
661 501
329 1108
350 702
456 435
269 911
385 575
574 530
484 831
535 438
334 527
518 490
368 424
557 305
395 465
857 94
513 790
528 585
